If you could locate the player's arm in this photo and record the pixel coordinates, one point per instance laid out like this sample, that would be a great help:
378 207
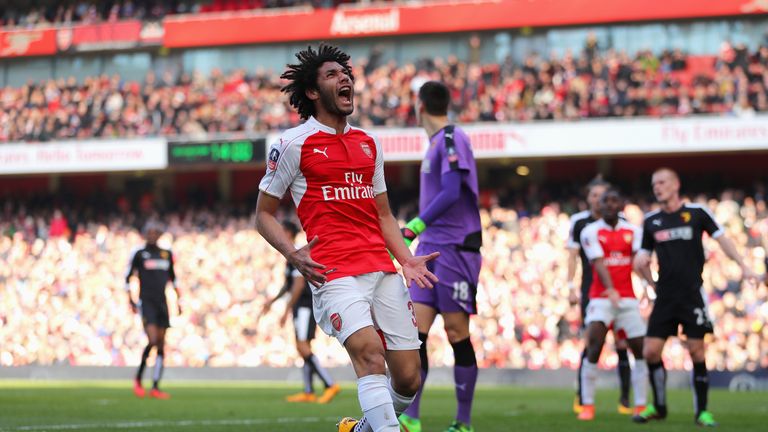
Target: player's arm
269 228
642 265
450 190
296 289
133 267
717 232
573 259
594 252
282 169
453 166
726 244
172 279
642 260
605 278
268 305
414 267
637 244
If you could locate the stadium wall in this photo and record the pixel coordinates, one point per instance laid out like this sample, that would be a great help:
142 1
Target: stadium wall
561 378
435 17
700 134
588 138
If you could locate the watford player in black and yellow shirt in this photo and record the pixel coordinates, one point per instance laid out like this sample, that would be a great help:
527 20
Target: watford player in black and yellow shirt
675 232
154 267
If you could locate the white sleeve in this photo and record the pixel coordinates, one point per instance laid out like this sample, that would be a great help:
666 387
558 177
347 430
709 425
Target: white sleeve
637 239
282 168
590 243
379 184
573 242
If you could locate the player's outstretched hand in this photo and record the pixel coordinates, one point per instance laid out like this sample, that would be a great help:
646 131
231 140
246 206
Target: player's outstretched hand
415 270
573 296
304 263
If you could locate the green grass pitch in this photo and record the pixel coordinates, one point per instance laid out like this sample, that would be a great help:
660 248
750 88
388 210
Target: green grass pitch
39 406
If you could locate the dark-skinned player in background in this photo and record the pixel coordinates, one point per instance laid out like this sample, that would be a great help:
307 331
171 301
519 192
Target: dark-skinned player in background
610 243
154 267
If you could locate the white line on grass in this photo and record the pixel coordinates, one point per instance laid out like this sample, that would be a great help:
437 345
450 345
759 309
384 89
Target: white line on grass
166 423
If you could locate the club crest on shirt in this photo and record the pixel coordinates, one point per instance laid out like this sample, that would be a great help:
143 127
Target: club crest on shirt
164 254
452 156
274 155
336 321
685 216
628 238
366 149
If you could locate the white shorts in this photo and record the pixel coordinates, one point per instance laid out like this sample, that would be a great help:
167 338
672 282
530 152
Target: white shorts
346 305
626 317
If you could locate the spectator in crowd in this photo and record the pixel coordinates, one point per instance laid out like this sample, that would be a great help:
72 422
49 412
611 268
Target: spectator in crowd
61 301
48 12
596 84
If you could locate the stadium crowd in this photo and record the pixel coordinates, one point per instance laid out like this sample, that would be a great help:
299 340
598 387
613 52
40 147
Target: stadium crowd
63 300
595 83
41 13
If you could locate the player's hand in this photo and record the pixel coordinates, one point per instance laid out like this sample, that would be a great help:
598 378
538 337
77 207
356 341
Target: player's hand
415 270
573 296
301 259
614 297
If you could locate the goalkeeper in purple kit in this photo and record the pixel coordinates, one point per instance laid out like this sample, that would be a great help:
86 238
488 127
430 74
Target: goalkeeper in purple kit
448 222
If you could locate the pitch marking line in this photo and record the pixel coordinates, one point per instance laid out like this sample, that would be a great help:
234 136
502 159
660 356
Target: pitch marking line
180 423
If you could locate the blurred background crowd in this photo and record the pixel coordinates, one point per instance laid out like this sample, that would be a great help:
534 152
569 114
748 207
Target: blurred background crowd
40 13
64 301
593 83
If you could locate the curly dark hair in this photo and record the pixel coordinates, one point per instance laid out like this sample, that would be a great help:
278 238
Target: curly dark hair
303 76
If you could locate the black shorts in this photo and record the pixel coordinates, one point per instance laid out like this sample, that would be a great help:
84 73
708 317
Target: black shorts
304 323
669 314
155 313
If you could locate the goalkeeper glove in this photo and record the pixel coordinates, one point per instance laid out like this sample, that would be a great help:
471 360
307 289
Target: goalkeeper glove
412 229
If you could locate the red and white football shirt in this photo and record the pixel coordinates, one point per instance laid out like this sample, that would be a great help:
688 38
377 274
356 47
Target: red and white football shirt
616 245
333 180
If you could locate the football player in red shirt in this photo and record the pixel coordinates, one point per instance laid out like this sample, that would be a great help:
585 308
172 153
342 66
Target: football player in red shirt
610 243
335 175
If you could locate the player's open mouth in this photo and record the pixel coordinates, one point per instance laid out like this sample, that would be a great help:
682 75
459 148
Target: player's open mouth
345 94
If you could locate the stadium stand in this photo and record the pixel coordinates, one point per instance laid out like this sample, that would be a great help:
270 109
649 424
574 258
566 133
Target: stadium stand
64 300
594 84
45 12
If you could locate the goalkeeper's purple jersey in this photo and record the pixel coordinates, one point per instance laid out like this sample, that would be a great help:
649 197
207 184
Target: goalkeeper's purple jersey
463 218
